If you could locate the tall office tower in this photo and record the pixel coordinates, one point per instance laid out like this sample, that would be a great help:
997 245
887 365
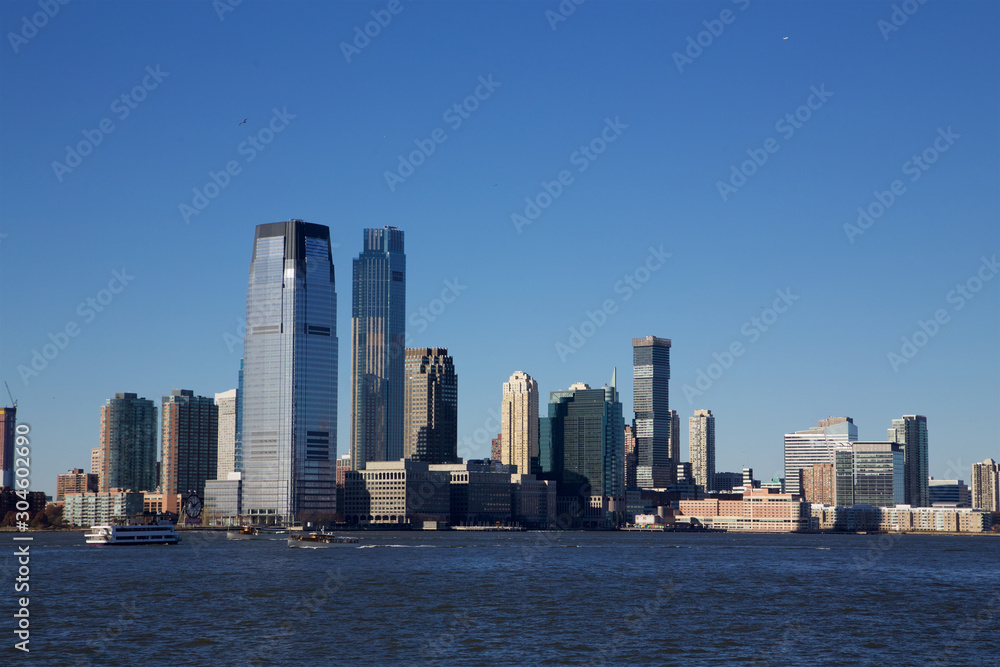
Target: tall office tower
95 461
815 445
128 444
650 390
519 422
378 333
583 442
496 447
876 470
289 424
986 485
674 448
226 402
190 441
8 434
701 448
911 433
631 458
430 408
238 445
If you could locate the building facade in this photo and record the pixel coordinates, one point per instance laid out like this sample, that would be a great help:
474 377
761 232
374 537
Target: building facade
128 444
986 485
190 440
226 457
430 408
90 509
519 422
949 493
701 448
289 423
8 435
760 510
911 432
631 458
726 481
650 399
95 462
817 484
479 492
75 481
815 445
378 334
224 501
396 493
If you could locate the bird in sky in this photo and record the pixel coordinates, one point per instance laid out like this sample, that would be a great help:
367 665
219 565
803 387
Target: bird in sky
244 122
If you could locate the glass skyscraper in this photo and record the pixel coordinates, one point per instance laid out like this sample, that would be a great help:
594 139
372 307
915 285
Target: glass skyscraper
128 444
378 333
911 433
289 397
650 398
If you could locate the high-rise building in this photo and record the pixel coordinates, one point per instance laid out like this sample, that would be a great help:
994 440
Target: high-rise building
674 447
128 444
631 458
378 333
815 445
650 398
75 481
496 447
95 461
190 441
8 434
582 442
986 485
226 402
701 448
877 469
238 445
817 484
911 432
519 422
430 423
289 428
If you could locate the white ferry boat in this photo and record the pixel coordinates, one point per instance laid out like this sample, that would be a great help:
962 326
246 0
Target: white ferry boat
161 532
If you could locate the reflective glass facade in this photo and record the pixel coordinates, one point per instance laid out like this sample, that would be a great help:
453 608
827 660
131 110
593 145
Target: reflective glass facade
911 433
128 444
650 389
378 333
289 397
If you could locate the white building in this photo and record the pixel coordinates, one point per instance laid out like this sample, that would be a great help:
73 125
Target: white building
227 433
815 445
986 485
519 422
701 448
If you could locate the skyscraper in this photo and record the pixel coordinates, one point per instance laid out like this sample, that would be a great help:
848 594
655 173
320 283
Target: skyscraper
289 424
701 448
650 398
911 433
986 485
815 445
8 434
869 473
519 422
128 443
675 438
430 423
378 333
631 459
190 441
238 445
226 402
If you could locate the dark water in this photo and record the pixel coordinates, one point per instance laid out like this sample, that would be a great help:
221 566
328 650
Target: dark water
527 598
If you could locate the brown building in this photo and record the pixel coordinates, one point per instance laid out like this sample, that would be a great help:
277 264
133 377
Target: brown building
760 510
75 481
818 484
430 406
496 448
190 440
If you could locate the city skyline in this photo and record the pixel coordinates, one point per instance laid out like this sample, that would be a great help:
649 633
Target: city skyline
612 251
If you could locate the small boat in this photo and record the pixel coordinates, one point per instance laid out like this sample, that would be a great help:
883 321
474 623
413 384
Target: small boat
161 532
256 533
319 540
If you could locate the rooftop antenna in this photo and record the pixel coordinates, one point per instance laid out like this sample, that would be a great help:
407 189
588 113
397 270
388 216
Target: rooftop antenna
10 394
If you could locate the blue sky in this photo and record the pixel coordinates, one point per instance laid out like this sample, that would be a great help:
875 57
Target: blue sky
886 96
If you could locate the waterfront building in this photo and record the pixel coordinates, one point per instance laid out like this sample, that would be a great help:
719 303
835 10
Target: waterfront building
9 500
289 423
650 399
75 481
8 435
238 444
534 502
226 457
815 445
128 444
90 509
911 432
430 423
949 492
674 446
701 448
190 443
878 474
759 510
378 334
631 457
817 484
224 501
479 492
725 481
519 422
986 485
95 462
161 503
396 493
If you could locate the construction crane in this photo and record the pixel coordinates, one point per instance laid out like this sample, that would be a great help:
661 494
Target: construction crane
10 394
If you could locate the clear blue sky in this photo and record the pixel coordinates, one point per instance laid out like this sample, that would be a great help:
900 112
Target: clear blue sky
655 185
